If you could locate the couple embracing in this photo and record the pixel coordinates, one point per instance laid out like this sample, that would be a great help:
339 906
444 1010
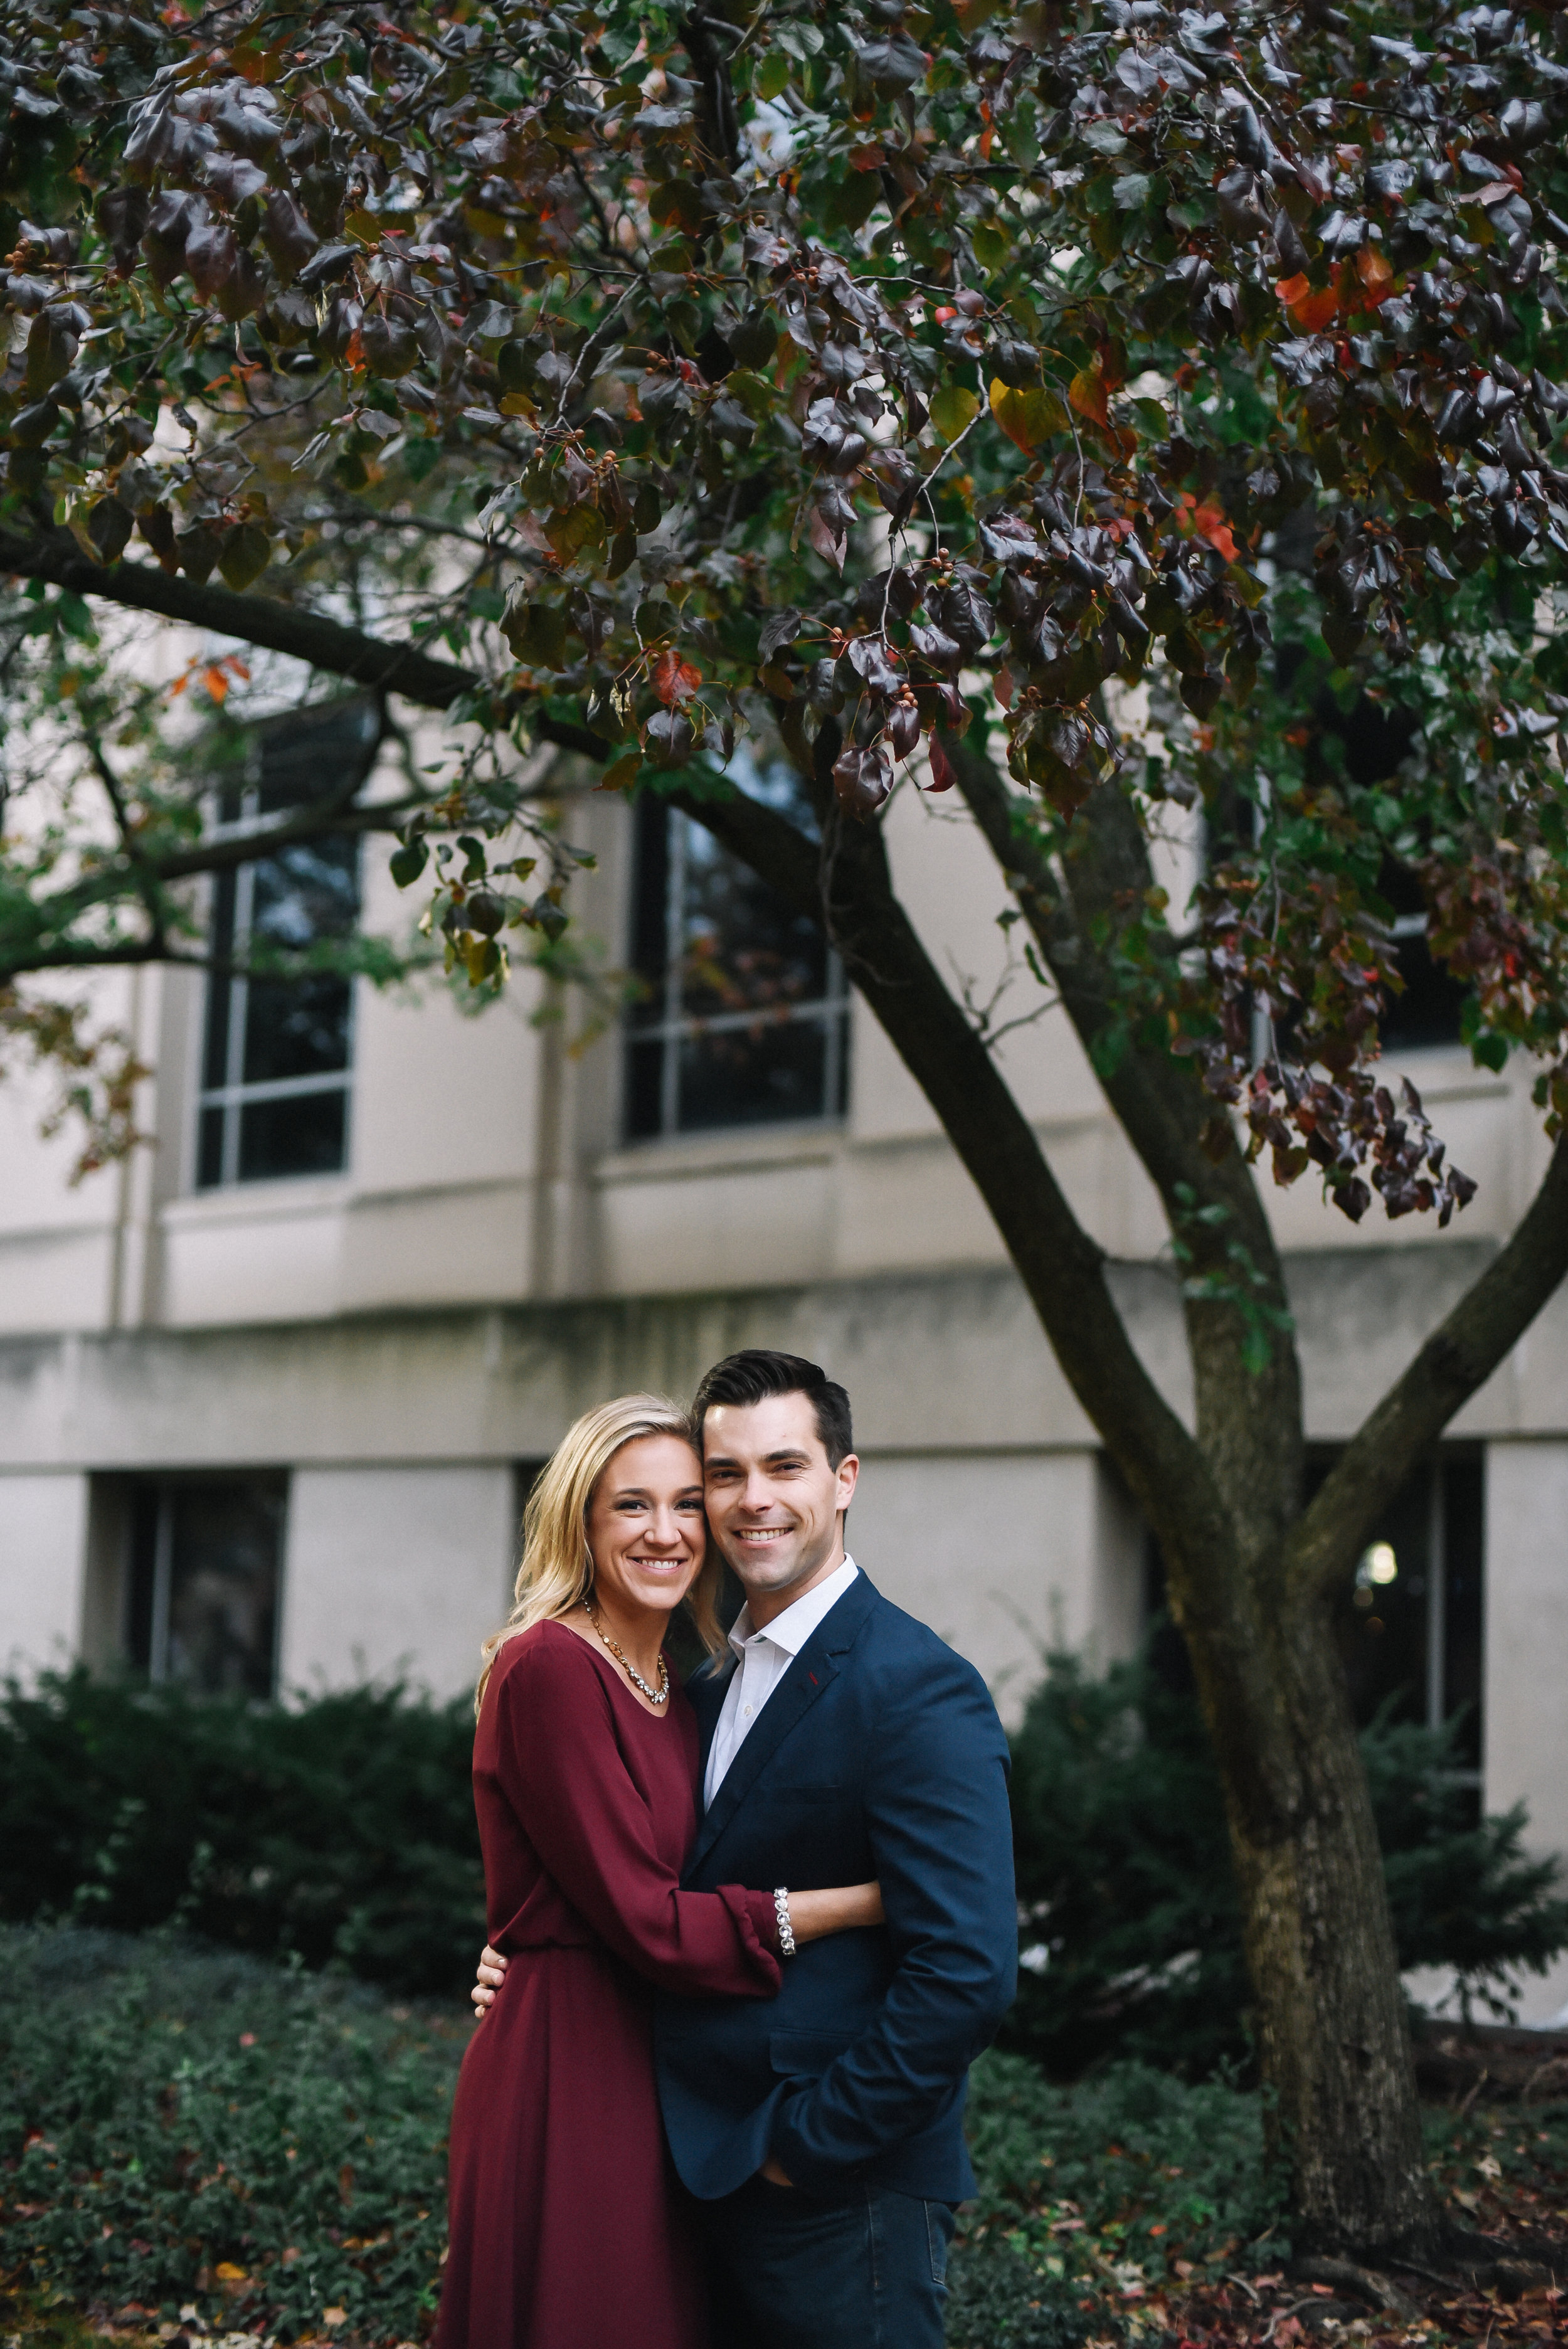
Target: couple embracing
748 1936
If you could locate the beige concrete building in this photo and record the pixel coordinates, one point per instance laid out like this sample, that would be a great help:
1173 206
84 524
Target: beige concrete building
270 1392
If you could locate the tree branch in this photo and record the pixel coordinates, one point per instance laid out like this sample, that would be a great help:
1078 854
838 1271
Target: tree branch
146 881
276 627
1249 1421
1455 1362
1063 1270
56 913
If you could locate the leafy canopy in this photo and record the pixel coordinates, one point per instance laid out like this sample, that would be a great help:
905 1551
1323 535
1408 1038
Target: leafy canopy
888 369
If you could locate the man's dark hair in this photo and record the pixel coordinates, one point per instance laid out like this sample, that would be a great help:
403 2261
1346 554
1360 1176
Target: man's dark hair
756 1374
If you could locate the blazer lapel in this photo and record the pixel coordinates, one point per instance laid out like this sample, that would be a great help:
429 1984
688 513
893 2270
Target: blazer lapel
796 1693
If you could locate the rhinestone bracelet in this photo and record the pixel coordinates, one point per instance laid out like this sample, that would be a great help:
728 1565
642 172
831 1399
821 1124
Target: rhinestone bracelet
786 1931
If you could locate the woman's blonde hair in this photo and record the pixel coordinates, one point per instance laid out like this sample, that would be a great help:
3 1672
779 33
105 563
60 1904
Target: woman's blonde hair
557 1570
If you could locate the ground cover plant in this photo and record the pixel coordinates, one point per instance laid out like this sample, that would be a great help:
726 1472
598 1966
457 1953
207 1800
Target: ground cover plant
181 2126
186 2130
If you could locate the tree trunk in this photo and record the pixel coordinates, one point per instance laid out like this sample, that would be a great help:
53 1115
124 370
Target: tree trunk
1333 2039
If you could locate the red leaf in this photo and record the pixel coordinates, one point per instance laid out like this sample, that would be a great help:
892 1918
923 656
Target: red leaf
1211 524
675 680
942 777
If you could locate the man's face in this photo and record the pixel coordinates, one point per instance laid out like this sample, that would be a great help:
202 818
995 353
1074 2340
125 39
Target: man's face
775 1506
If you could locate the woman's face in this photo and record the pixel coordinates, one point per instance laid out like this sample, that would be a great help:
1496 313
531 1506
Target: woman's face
647 1530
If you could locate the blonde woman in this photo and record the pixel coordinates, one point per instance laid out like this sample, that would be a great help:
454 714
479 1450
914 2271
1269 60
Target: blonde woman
565 2226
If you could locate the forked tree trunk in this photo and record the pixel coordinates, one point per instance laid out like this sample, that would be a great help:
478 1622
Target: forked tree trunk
1333 2039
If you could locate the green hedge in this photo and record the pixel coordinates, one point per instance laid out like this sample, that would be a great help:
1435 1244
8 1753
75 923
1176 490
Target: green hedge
1125 1884
342 1829
342 1832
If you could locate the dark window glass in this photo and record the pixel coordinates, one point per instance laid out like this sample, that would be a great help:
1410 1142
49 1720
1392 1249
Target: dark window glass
743 1020
1410 1630
141 1595
209 1149
1464 1551
300 1133
203 1599
754 1076
270 1043
1427 1012
313 754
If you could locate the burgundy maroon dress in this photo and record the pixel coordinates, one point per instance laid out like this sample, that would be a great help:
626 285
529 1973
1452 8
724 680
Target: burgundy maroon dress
565 2226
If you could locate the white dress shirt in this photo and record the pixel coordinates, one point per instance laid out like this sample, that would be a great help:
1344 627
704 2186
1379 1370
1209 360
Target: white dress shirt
764 1658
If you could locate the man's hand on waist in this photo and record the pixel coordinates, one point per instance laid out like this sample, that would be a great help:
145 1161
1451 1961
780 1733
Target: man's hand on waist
774 2173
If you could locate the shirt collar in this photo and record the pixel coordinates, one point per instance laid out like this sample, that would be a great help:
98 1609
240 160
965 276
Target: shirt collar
793 1627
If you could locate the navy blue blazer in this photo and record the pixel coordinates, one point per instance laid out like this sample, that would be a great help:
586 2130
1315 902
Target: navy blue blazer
879 1754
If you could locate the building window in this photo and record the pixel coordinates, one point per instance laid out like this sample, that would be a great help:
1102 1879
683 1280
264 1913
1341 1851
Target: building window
201 1593
1410 1630
276 1053
744 1016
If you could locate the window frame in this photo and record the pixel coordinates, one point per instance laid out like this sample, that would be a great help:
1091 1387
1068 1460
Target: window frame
676 1025
164 1491
234 1095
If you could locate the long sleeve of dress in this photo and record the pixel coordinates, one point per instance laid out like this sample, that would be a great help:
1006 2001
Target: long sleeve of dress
561 1767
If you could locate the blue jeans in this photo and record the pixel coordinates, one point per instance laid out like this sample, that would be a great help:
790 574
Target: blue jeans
788 2272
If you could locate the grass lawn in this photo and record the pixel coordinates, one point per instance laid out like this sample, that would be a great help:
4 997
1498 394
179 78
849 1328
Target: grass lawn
195 2146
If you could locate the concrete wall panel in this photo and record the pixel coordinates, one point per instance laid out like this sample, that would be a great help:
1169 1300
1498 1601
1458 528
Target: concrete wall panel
43 1564
394 1571
1004 1555
1527 1636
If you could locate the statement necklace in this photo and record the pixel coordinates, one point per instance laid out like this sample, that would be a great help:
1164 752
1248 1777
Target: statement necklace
655 1696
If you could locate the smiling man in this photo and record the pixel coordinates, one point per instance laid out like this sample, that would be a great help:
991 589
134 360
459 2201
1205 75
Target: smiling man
822 2135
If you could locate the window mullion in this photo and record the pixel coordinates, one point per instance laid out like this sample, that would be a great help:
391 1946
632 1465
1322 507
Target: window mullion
1436 1603
674 975
163 1586
833 1044
239 1006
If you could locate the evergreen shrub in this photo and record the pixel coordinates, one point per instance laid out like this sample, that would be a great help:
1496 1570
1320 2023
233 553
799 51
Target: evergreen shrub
1131 1933
341 1829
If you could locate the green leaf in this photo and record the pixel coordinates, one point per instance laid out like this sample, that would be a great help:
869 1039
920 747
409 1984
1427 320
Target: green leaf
851 202
536 633
1028 418
953 411
1489 1051
407 862
993 248
247 552
772 75
1130 192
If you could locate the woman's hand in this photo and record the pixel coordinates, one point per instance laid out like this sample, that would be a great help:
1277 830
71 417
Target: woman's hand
492 1974
837 1909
